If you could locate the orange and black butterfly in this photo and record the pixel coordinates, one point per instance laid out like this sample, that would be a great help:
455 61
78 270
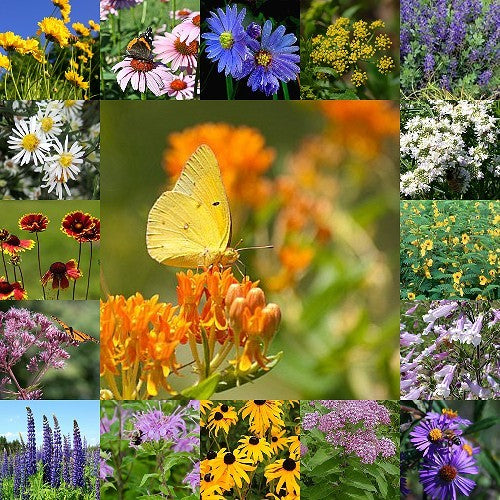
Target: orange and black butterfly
75 334
141 46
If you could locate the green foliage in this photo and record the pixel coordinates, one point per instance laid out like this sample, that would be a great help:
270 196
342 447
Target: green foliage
449 249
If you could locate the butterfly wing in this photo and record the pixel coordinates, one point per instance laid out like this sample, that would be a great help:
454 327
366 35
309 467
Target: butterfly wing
201 179
181 232
190 226
75 334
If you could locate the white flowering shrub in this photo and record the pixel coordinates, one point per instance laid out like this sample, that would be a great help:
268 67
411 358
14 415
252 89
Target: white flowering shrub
49 150
449 151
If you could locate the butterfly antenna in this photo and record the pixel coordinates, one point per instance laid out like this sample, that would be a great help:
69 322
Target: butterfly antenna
238 267
254 248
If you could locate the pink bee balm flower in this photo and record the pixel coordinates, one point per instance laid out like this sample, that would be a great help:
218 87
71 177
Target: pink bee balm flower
170 49
141 75
189 29
180 86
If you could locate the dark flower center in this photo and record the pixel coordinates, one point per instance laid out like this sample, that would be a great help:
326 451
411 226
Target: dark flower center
259 402
78 226
142 66
196 20
218 415
254 440
263 58
13 240
4 234
208 477
178 85
58 268
274 439
229 459
5 287
185 49
224 408
289 464
447 473
211 455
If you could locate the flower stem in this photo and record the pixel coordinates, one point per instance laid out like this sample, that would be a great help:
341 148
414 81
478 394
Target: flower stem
21 274
39 264
143 96
88 277
78 267
286 94
229 87
4 264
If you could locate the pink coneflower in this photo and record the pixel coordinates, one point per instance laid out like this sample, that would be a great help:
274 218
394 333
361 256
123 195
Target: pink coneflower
142 75
180 86
170 49
182 13
189 29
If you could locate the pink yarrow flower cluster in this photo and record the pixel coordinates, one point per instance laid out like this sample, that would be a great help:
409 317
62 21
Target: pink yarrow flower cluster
353 426
171 70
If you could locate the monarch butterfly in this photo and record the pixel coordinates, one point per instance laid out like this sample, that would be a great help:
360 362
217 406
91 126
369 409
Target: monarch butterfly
75 334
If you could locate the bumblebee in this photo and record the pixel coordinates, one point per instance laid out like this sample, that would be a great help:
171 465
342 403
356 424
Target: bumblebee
136 437
452 437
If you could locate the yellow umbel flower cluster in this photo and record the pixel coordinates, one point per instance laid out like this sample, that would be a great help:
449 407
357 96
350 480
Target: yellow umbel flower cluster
347 43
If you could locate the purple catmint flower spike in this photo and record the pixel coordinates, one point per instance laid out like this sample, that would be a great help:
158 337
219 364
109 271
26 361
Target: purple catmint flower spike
46 450
78 457
31 445
55 472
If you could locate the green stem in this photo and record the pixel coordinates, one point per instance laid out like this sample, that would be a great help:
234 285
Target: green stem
229 87
39 264
88 277
4 264
143 96
286 94
77 266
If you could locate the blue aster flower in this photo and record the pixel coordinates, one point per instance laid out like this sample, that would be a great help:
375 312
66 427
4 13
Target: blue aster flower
272 60
227 42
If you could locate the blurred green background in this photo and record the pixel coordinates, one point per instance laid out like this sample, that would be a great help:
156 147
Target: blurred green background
339 331
79 379
54 246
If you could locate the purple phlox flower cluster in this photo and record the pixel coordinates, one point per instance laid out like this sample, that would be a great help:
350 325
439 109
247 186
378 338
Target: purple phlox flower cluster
353 426
439 42
446 456
170 69
432 363
193 477
24 333
264 56
78 457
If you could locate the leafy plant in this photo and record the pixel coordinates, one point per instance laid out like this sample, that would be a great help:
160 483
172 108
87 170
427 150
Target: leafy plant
448 249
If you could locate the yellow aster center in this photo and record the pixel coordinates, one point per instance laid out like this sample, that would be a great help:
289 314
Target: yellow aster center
468 449
47 123
435 435
226 39
66 159
30 142
69 103
449 413
263 58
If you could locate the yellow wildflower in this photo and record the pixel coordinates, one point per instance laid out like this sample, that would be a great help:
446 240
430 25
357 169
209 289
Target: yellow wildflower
465 238
77 80
457 276
411 296
5 62
483 280
94 25
360 29
84 47
81 29
358 78
377 24
10 41
385 64
55 30
382 42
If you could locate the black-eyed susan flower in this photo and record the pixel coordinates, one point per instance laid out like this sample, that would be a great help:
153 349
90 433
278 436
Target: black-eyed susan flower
263 414
278 439
286 471
13 245
34 223
205 404
60 273
218 419
209 487
294 447
233 465
254 448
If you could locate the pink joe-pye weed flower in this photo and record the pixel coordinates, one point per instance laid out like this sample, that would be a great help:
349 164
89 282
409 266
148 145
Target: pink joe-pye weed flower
142 75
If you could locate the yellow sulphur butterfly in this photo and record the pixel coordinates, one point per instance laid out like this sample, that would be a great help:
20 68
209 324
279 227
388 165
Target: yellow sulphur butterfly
190 226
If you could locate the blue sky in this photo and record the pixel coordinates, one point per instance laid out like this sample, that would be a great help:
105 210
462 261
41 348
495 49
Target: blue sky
86 413
22 17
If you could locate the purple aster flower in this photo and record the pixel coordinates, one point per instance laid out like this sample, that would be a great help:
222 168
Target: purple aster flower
429 63
272 60
451 417
193 478
254 30
227 40
442 475
403 486
428 435
142 75
484 78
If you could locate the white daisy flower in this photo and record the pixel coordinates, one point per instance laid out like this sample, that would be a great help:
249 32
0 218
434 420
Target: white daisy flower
72 109
51 106
27 139
67 162
54 182
50 123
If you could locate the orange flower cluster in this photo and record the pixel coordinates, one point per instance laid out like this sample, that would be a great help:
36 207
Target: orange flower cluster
139 337
241 152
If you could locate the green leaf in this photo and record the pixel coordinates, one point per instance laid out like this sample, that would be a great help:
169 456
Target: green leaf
204 390
318 491
486 423
389 468
329 467
148 476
